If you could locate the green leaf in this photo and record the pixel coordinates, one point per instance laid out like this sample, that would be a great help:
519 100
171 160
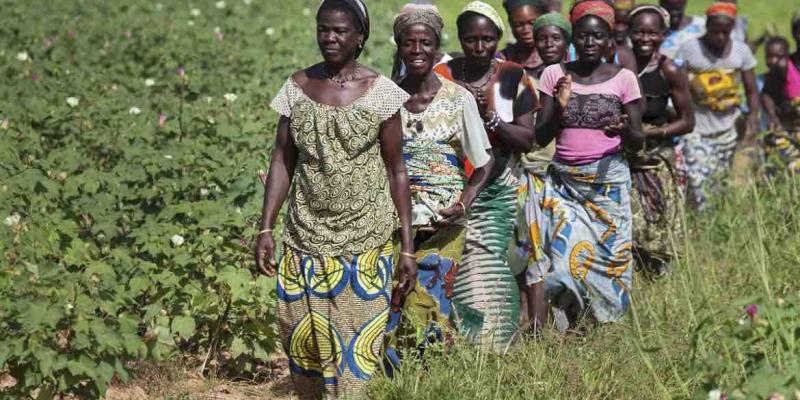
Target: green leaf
184 326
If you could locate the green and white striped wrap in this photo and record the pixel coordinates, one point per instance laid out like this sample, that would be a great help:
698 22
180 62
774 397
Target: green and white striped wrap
485 294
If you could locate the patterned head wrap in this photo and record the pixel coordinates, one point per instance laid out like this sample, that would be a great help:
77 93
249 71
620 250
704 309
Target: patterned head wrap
722 8
554 19
359 9
598 8
660 11
479 7
413 14
511 5
624 5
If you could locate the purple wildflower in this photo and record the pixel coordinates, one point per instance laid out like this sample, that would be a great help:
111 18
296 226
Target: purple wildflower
752 310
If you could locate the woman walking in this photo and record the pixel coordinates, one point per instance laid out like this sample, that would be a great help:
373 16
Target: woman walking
553 34
522 15
717 65
590 107
485 294
338 155
441 129
781 100
656 200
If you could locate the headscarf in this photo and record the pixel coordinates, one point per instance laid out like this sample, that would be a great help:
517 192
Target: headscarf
553 19
413 14
597 8
479 7
359 9
660 11
511 5
722 8
624 4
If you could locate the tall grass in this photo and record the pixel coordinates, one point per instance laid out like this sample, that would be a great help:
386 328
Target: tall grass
746 251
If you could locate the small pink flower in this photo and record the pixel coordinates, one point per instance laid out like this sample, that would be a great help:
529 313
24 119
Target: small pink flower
72 34
752 310
34 77
243 242
162 120
181 72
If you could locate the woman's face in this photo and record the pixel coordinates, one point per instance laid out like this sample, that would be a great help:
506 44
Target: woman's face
621 26
338 37
676 10
591 37
718 32
647 34
479 39
418 49
551 44
521 20
776 54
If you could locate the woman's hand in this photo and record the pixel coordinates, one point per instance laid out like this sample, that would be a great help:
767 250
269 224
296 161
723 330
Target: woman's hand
450 215
621 128
483 106
562 91
408 279
265 254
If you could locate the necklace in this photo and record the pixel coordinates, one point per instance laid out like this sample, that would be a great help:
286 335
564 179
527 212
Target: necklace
341 80
475 89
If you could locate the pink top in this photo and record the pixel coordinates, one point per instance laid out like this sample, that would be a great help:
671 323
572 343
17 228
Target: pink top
591 108
792 88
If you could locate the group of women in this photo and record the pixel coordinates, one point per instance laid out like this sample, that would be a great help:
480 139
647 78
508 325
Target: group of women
440 203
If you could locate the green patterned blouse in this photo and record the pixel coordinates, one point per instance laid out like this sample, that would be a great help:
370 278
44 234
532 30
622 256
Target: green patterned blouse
340 201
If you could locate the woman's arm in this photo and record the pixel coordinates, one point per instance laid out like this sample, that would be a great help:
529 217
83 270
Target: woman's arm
681 100
279 179
391 137
753 103
548 121
518 134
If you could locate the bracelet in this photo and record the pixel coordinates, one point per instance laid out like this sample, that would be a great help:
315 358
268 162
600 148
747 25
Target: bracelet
463 206
263 231
493 122
409 255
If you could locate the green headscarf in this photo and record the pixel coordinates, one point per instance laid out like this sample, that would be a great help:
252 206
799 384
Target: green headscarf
511 5
554 19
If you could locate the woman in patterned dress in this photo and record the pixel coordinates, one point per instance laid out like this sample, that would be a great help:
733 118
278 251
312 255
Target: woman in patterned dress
441 129
656 200
486 295
338 155
591 109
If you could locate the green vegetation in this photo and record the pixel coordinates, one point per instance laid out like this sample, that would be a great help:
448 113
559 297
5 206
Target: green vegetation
131 136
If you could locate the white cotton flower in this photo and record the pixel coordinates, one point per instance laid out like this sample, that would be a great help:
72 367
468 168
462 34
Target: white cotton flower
714 394
204 192
149 82
177 240
269 31
134 111
22 56
220 4
195 12
247 2
73 101
12 219
190 23
168 157
230 97
211 120
217 29
306 12
209 99
159 6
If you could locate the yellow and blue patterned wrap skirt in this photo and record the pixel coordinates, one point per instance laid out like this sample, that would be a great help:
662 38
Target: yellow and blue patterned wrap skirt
584 220
332 313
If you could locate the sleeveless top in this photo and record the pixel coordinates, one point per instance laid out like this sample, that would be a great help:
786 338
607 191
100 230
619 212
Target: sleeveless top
339 202
656 90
